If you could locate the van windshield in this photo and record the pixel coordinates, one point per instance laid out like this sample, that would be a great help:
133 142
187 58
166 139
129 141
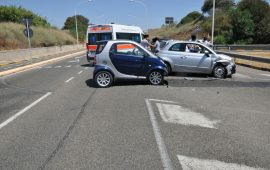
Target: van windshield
94 37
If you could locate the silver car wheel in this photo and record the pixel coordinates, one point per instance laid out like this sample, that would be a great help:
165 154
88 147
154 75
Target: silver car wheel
103 79
155 78
219 71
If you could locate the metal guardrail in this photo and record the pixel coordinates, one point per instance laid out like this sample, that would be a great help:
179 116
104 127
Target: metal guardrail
246 57
242 47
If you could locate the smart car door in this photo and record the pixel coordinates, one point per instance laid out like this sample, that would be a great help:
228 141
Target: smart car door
125 58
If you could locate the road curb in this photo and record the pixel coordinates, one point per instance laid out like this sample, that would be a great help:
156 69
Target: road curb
29 67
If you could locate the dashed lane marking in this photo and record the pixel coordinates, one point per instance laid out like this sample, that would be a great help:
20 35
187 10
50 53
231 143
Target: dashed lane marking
86 68
68 66
80 72
172 113
48 67
24 110
71 78
57 66
189 163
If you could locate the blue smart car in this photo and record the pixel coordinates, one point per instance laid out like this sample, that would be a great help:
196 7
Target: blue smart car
123 59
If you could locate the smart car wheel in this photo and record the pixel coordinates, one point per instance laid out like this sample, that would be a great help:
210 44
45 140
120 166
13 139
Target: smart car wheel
155 77
103 79
219 71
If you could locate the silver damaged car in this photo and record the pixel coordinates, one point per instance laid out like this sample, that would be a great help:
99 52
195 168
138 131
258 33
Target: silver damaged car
195 57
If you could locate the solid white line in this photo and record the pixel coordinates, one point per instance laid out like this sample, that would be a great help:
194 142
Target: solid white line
164 101
160 142
69 79
24 110
80 72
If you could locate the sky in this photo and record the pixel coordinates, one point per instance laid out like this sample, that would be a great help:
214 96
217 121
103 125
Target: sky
143 13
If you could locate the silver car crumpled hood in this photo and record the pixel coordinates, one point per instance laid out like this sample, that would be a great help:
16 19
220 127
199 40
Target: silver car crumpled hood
224 57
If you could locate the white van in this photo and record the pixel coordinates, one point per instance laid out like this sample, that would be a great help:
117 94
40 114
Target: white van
97 33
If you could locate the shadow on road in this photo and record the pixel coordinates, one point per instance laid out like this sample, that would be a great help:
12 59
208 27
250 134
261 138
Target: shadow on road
92 84
87 65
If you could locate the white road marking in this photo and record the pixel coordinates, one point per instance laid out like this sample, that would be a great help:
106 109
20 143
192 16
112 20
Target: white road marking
80 72
242 75
24 110
68 66
166 162
268 75
71 78
164 101
189 163
177 114
73 61
48 67
57 66
86 68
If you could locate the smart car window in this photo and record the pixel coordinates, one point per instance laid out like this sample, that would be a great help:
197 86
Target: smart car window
129 49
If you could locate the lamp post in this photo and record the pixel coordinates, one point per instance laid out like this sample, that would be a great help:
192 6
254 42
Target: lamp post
213 21
76 23
146 11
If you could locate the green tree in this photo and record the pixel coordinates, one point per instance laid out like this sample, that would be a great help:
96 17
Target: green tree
220 4
82 23
242 26
16 14
259 10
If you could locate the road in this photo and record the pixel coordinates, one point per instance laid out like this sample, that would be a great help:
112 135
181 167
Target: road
53 117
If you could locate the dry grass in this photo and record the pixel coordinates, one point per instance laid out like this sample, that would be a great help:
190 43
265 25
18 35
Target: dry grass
253 64
12 37
182 32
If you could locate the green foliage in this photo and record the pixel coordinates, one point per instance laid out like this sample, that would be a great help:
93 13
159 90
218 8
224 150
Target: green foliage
220 39
243 26
82 23
260 11
16 14
223 5
191 17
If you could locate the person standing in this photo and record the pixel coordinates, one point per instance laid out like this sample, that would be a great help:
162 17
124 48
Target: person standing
157 45
145 42
206 42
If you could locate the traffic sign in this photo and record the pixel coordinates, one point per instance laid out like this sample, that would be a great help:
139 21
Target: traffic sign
30 33
27 22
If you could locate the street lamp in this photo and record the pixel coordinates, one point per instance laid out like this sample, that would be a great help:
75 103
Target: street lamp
76 24
213 21
145 8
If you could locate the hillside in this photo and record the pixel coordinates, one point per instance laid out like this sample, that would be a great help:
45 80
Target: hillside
12 37
182 32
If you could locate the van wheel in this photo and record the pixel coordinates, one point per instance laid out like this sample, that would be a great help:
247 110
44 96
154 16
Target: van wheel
219 71
155 77
103 79
169 69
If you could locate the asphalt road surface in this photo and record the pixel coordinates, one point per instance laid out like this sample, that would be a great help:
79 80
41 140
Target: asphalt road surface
53 117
